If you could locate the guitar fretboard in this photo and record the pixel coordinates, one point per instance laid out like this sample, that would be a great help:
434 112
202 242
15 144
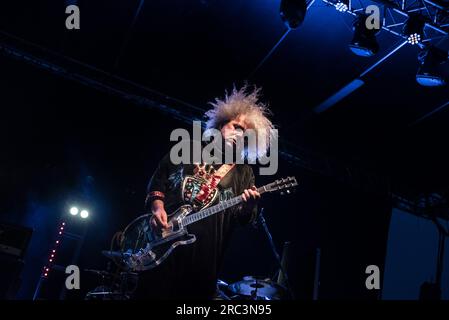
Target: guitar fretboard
216 208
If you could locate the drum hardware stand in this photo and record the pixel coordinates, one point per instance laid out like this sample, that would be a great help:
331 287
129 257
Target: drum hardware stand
282 270
119 284
432 290
434 206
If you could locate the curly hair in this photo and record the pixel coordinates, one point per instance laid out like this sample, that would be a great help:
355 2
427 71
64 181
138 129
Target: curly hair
244 101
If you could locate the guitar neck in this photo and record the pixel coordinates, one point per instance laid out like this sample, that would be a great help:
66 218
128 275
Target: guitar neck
216 208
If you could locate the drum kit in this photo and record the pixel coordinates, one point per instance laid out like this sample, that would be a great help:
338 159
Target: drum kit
121 286
251 288
113 286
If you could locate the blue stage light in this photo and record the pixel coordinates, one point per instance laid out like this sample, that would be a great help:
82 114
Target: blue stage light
430 73
414 29
342 6
364 42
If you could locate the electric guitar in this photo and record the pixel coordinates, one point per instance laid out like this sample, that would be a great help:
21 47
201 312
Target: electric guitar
143 248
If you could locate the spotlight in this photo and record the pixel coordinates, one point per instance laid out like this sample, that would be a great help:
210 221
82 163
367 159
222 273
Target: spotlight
84 214
414 29
293 12
429 73
74 211
364 42
342 5
414 38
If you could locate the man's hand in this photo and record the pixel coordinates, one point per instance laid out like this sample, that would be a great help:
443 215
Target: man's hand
159 218
250 198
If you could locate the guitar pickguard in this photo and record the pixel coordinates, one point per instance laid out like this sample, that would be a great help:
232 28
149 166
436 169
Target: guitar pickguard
195 191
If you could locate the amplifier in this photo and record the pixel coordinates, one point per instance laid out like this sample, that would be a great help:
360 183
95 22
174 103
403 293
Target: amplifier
14 240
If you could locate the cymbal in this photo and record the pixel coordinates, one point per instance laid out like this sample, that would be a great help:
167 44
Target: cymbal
222 283
112 254
99 272
256 288
105 293
118 258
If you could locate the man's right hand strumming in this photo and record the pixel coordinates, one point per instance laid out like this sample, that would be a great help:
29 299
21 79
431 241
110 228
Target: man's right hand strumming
159 218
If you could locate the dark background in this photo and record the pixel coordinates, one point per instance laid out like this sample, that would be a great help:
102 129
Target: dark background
63 142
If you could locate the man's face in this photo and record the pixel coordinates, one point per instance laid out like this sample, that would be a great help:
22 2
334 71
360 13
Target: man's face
233 130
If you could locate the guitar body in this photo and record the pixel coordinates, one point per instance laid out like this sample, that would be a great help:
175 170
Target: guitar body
143 249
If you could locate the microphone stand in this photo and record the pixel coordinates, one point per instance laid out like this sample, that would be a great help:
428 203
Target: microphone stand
275 253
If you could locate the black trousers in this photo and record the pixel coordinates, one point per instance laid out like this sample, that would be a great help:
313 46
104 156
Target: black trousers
177 278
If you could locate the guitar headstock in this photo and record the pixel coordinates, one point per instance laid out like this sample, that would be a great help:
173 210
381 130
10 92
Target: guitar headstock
284 185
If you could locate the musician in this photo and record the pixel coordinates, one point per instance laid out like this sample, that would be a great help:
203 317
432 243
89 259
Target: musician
191 271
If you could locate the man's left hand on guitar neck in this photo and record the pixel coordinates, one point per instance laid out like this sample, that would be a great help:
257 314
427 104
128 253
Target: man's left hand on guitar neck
250 199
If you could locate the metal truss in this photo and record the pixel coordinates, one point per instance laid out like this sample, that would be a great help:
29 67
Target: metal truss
92 77
429 206
139 95
394 14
